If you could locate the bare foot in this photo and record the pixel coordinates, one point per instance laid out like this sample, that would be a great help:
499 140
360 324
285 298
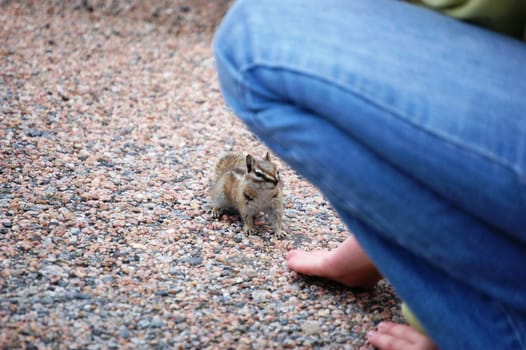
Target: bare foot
347 264
394 336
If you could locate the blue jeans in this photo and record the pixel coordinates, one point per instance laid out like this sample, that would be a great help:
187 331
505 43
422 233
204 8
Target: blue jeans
413 125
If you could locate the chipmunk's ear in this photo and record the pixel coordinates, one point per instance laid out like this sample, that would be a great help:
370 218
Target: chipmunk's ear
250 163
267 157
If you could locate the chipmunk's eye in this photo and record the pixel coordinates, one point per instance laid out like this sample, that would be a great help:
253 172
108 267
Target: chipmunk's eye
260 174
247 197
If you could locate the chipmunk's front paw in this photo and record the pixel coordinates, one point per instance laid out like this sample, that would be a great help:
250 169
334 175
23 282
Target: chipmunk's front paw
216 212
280 234
249 230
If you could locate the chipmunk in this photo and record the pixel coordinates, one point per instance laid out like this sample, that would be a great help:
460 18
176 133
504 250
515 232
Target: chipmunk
249 186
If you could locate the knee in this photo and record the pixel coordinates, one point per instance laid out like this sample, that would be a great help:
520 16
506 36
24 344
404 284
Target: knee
229 44
255 32
241 43
232 37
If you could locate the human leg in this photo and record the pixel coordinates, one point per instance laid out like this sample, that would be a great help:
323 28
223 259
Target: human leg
273 94
317 115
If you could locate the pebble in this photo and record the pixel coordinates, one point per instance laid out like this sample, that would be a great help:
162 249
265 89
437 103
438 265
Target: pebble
311 327
124 332
52 271
261 296
156 322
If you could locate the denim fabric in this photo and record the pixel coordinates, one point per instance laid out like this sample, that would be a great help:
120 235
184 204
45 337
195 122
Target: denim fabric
414 127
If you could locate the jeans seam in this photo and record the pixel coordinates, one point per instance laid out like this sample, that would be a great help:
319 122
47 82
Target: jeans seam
513 329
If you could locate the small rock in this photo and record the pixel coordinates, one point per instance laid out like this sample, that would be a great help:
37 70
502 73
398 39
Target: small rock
324 313
194 261
311 327
62 93
260 296
156 322
33 132
53 272
46 300
142 324
124 332
119 223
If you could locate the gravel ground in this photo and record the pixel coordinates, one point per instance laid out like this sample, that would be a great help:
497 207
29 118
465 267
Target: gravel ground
110 121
